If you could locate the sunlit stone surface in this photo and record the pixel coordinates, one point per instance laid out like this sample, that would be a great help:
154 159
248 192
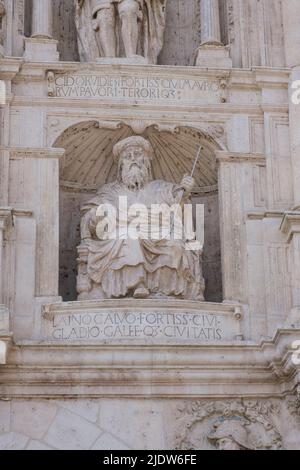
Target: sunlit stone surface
150 369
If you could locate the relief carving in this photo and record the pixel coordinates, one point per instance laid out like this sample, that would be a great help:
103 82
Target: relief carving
231 425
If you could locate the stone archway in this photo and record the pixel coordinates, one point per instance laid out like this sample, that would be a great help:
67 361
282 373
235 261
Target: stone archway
88 163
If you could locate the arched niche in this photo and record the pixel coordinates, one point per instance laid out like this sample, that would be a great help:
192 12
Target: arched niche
88 163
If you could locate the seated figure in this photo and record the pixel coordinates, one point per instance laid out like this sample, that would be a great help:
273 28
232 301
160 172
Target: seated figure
138 267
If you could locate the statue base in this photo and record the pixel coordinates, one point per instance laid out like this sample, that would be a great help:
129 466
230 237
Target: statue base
211 55
150 321
41 50
136 60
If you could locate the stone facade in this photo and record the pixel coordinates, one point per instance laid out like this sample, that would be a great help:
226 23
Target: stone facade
126 373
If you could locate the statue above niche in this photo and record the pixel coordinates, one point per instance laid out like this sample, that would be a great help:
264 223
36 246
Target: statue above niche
120 28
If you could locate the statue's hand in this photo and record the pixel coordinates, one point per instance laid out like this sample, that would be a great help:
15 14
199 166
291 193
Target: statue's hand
187 183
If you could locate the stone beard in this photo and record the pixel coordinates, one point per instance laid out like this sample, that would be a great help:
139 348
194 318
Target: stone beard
113 28
140 267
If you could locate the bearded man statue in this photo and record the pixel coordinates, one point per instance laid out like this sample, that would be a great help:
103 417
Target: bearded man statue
139 267
112 28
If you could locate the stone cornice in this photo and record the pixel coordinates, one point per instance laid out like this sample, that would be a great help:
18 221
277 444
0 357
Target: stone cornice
269 77
90 370
271 74
9 67
31 152
229 80
7 214
238 157
290 224
260 215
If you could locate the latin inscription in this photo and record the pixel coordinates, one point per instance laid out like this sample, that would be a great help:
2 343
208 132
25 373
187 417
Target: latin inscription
122 325
141 88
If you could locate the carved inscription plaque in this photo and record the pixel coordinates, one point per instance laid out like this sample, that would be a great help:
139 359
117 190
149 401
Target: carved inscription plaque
139 88
160 325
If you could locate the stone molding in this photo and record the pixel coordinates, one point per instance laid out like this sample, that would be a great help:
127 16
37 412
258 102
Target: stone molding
290 224
242 369
238 157
26 152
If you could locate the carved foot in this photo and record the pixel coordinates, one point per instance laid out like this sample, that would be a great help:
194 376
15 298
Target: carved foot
141 293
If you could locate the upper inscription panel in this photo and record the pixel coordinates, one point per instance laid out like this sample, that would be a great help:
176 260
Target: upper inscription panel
138 87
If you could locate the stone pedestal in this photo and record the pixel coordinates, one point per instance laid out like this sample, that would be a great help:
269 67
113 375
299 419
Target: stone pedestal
41 50
137 60
213 55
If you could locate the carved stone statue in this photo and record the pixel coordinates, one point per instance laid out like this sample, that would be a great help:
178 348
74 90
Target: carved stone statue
231 435
2 14
142 267
107 27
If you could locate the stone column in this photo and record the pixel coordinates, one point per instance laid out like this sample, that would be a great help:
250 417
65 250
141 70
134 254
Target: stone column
211 52
41 47
290 226
210 23
5 223
291 15
42 19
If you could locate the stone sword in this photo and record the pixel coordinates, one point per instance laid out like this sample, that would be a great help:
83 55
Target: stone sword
182 191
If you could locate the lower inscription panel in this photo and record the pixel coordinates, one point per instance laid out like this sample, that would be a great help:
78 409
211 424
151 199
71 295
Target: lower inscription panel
151 321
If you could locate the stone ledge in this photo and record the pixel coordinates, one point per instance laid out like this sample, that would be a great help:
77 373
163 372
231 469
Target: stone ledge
33 152
225 370
290 224
240 157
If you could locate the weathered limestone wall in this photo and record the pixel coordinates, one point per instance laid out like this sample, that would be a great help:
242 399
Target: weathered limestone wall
255 31
124 424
